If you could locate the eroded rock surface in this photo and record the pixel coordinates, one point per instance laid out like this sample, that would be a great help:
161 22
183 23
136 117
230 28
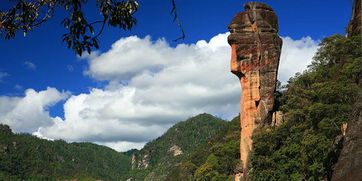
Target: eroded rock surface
256 49
175 150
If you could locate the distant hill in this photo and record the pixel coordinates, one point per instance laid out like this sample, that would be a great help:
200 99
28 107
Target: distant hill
26 157
159 157
214 160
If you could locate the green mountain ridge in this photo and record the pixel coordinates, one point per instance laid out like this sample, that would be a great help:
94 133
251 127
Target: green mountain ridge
26 157
214 160
160 156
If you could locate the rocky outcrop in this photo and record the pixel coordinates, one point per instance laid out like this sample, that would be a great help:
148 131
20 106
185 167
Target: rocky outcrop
278 118
355 26
349 164
256 49
140 161
175 150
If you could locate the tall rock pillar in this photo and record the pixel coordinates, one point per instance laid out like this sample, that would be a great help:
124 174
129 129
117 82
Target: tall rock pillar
256 49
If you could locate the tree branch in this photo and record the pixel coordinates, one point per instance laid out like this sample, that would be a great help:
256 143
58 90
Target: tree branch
174 12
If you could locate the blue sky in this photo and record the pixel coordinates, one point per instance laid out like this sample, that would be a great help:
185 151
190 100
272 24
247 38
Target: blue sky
41 60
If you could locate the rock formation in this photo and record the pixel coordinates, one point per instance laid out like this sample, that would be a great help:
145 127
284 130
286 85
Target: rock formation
256 49
355 26
349 165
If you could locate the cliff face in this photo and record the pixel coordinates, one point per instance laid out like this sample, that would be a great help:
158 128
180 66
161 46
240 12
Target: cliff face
349 165
256 49
355 26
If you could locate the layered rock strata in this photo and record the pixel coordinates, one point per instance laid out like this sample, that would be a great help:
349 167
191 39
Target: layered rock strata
256 49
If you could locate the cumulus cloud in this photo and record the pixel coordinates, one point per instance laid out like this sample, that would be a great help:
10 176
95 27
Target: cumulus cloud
28 113
152 85
123 146
296 56
30 65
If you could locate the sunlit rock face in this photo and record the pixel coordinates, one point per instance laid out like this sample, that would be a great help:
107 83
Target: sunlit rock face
256 49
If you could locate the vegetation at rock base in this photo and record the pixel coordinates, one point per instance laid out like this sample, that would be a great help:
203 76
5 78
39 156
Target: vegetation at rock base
26 157
158 158
317 103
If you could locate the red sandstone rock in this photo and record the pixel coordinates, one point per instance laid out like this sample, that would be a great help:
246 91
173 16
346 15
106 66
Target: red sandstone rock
255 57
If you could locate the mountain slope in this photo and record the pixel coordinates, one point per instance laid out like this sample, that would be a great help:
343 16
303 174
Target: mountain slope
214 160
26 157
160 156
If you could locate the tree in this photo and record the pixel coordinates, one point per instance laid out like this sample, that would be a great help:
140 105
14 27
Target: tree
26 15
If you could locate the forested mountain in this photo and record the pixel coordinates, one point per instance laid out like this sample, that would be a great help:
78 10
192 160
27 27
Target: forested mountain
214 160
26 157
159 157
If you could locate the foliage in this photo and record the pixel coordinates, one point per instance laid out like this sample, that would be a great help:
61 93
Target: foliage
187 135
26 157
26 15
214 160
316 102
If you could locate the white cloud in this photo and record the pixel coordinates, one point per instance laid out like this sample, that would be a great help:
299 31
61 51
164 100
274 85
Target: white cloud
296 56
151 86
123 146
30 65
164 85
28 113
129 56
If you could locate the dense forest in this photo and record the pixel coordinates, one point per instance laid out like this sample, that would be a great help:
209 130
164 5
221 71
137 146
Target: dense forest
26 157
215 160
159 157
